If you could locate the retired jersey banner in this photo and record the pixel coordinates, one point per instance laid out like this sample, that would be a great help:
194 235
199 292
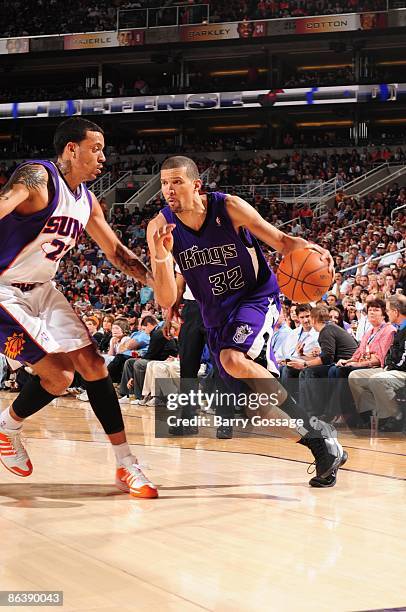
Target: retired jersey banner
46 43
340 23
279 27
223 31
99 40
206 101
14 45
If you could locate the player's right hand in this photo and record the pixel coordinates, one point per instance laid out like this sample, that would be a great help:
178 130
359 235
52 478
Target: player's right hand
163 240
171 315
326 256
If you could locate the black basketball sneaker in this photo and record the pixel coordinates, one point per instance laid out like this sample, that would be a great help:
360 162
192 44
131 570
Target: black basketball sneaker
328 454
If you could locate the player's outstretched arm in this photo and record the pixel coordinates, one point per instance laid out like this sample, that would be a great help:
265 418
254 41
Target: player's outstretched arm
243 214
118 254
25 183
160 243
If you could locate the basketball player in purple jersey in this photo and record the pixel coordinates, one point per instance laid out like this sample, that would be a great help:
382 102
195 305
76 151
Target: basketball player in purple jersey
211 238
44 208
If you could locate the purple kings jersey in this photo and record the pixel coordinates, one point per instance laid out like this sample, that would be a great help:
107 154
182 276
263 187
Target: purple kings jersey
221 267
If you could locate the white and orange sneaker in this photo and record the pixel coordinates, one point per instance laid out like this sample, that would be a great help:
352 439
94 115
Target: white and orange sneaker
13 455
131 479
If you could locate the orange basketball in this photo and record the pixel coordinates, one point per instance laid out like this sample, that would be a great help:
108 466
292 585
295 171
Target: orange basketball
303 276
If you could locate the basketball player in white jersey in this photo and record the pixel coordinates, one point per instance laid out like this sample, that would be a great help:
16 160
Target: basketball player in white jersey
44 208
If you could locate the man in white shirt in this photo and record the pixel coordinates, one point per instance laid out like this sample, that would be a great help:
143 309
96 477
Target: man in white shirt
281 333
300 344
303 339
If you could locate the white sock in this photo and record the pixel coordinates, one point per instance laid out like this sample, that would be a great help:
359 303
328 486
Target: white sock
7 421
123 454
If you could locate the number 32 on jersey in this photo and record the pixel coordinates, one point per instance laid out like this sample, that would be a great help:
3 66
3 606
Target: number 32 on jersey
230 280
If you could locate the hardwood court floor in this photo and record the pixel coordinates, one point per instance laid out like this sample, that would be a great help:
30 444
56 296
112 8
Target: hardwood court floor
236 527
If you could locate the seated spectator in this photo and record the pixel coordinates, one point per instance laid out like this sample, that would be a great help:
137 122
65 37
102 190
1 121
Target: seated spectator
336 316
293 318
298 345
107 323
92 324
161 378
136 346
364 324
374 391
331 299
159 349
350 315
371 353
119 338
281 331
335 344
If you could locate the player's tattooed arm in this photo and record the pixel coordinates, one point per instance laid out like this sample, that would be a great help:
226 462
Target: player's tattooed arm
23 183
117 253
32 176
126 261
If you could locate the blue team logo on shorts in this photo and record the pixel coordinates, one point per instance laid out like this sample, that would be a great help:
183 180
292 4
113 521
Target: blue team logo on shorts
241 334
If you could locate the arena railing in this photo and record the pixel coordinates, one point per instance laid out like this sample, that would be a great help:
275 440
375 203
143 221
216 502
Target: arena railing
350 225
315 216
363 177
163 16
364 263
389 178
318 194
196 14
396 209
106 183
281 191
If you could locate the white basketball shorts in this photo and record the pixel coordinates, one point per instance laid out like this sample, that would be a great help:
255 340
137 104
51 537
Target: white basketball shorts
37 321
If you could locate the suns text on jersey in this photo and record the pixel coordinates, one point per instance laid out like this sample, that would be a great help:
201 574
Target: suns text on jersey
63 226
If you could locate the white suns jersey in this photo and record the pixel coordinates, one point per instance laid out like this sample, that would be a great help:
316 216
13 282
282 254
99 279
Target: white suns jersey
32 246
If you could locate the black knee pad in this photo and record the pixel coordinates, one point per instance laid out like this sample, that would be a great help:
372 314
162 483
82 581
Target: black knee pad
103 399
